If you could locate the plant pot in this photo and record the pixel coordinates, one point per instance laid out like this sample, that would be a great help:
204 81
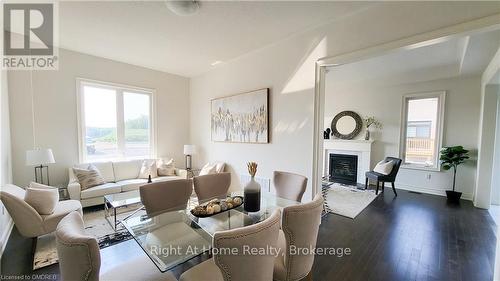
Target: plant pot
453 196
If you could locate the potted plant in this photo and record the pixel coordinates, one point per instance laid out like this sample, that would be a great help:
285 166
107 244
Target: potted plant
369 121
451 157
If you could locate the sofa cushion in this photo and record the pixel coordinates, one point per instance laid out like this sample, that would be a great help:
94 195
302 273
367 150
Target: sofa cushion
132 184
101 190
148 168
125 170
105 169
88 177
42 199
166 167
167 178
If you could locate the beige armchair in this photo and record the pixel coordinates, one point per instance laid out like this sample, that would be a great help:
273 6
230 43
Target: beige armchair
241 266
166 195
26 218
300 225
289 185
80 258
212 186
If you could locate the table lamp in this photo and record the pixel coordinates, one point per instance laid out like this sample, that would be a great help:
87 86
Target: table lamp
40 158
189 150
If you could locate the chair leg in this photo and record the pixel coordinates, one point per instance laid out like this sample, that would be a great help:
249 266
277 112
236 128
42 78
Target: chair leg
366 183
383 186
376 192
394 189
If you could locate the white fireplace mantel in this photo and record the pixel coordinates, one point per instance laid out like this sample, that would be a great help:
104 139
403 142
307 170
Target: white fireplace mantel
360 148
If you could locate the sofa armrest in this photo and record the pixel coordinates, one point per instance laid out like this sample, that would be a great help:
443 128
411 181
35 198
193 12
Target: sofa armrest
181 173
74 190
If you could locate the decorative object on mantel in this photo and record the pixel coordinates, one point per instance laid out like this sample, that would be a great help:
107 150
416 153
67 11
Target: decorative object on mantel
326 134
241 118
371 121
346 125
252 190
451 157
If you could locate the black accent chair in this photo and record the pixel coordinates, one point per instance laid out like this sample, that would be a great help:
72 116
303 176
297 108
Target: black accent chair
380 178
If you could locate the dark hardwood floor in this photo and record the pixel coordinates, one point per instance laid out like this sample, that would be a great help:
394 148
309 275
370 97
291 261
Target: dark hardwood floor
409 237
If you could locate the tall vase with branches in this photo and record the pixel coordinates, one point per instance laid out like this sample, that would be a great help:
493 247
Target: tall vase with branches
451 157
371 121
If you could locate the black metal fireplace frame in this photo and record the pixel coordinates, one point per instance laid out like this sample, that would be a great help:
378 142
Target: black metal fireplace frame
343 179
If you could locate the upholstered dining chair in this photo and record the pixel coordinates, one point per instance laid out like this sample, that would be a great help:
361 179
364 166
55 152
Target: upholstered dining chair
80 258
289 185
166 195
381 178
27 220
211 186
241 266
299 229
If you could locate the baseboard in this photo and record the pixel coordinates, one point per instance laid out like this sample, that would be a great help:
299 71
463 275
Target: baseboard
433 191
5 238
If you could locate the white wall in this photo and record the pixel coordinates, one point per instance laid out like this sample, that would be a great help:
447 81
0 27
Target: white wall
55 110
287 68
495 179
385 101
486 138
5 160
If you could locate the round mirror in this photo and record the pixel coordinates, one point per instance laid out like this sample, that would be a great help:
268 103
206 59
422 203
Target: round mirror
346 125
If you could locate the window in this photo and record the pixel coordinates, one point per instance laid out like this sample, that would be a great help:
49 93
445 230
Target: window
115 122
421 130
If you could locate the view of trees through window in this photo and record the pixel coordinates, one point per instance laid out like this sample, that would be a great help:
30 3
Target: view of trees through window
117 123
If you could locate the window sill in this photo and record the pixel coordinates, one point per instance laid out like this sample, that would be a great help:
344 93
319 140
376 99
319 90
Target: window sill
421 168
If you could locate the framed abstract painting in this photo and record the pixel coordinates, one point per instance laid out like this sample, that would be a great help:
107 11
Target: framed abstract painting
242 118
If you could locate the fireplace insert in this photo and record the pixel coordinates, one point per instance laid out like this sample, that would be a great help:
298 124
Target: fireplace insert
343 168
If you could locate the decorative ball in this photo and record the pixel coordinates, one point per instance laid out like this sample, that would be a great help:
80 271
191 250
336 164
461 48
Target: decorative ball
210 210
216 208
237 200
229 205
229 200
223 206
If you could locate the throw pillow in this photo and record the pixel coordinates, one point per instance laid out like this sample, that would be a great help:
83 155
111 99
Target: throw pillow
219 167
43 200
166 168
383 167
208 169
88 177
148 168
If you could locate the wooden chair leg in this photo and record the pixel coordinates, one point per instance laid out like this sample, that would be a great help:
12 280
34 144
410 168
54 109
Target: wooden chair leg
383 186
394 189
376 192
366 183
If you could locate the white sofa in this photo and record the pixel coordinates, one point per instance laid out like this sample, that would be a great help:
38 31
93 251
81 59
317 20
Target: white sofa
119 176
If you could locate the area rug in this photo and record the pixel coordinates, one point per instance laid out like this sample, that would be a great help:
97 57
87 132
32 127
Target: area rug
95 225
346 200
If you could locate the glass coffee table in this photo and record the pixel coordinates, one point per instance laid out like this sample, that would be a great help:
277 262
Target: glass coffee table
119 200
171 238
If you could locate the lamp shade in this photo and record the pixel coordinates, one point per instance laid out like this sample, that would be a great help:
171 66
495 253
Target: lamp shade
39 157
189 149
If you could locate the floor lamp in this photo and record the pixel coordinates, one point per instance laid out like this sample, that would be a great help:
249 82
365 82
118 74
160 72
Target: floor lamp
40 158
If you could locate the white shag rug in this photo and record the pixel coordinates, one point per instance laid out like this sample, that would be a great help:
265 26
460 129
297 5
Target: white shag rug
347 201
95 225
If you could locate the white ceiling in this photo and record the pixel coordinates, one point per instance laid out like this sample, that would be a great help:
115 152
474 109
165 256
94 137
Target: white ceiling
464 56
150 35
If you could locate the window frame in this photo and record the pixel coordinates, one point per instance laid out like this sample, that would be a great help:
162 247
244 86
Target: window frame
438 144
120 126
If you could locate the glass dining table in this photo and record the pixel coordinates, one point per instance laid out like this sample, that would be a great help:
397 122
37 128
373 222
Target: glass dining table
172 238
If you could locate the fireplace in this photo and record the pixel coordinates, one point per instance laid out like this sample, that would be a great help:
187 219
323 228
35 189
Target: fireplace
343 168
